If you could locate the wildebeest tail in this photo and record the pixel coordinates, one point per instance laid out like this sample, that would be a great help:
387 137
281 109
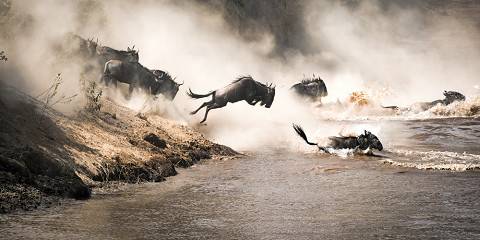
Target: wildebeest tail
302 134
105 69
194 95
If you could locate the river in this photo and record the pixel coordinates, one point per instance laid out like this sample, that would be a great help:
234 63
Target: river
283 194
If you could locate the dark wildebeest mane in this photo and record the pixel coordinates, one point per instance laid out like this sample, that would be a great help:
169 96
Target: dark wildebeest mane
312 80
163 75
167 75
249 77
105 49
242 77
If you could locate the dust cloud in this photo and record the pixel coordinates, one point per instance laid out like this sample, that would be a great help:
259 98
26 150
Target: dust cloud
397 53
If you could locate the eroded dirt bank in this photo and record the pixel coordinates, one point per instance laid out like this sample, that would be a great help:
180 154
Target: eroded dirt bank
46 155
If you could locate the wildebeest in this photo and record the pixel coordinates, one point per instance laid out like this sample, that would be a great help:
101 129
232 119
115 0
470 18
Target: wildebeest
312 88
243 88
365 141
88 48
137 76
450 97
93 56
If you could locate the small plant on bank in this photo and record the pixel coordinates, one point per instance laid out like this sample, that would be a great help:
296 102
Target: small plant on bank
50 96
93 94
3 57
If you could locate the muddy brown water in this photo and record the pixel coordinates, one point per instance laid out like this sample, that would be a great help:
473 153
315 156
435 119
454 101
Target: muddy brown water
271 196
284 194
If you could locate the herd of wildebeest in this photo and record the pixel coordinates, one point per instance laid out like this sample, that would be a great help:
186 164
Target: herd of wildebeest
124 66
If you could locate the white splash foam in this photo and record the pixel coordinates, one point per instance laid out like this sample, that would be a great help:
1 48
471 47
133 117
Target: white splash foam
435 160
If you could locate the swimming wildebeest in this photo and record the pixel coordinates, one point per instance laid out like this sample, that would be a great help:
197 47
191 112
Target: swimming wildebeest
450 97
137 76
312 88
365 141
244 88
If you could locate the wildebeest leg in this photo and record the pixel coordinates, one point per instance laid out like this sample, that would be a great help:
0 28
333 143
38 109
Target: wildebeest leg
202 106
210 107
106 79
131 87
323 149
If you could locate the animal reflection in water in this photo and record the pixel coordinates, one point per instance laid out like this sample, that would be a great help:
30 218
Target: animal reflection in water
244 88
365 142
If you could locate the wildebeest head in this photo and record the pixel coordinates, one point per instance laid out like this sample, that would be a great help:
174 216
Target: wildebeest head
165 85
451 96
269 96
369 140
91 46
315 87
131 55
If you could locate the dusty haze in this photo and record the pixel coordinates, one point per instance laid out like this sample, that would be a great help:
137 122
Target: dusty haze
397 51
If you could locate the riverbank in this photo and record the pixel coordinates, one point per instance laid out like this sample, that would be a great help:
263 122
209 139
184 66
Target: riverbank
46 155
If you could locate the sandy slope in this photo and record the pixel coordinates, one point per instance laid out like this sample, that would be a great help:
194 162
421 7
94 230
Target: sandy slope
45 154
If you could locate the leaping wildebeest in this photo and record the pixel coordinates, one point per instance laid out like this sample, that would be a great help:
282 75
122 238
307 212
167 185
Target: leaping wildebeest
137 76
366 141
243 88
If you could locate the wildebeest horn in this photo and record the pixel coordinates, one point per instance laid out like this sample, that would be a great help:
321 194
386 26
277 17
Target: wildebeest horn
128 49
181 83
133 47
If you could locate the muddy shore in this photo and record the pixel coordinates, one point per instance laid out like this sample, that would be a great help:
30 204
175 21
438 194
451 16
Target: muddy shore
46 156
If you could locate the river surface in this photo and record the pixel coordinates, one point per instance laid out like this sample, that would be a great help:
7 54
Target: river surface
287 194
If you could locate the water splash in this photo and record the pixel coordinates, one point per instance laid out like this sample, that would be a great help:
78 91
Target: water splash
435 160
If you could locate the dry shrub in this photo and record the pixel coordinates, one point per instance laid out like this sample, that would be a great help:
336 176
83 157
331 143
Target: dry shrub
93 93
3 57
50 96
